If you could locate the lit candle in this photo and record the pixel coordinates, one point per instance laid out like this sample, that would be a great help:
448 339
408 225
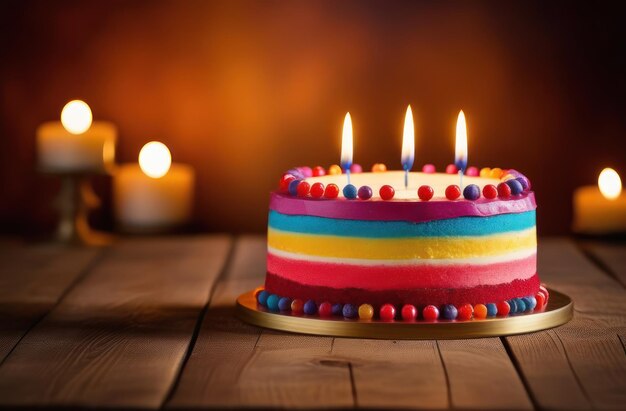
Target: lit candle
76 144
346 145
408 145
460 151
601 209
154 195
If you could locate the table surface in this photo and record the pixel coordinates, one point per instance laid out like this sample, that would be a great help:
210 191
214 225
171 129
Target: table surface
148 323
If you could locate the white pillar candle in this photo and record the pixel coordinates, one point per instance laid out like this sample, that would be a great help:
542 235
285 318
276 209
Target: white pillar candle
600 209
154 195
75 144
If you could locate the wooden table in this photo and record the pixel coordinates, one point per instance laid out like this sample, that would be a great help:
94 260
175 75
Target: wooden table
148 323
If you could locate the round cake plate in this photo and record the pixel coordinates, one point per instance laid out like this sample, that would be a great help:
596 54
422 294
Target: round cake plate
559 310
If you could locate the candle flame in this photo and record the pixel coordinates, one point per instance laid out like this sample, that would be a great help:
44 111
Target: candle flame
346 143
155 159
76 117
610 184
408 141
460 152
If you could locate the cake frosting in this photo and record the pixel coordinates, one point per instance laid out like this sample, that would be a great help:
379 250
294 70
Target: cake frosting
404 250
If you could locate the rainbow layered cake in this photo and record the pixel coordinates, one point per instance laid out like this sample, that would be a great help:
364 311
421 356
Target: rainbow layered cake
431 250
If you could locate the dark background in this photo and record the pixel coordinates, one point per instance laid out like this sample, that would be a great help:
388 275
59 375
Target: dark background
245 90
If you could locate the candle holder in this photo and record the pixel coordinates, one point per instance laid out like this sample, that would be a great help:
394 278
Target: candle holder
74 202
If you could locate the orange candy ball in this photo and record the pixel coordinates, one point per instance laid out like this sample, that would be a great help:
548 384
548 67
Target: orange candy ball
480 311
366 312
496 173
485 172
334 169
379 168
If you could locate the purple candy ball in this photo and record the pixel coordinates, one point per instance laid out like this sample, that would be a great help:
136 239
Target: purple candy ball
296 173
337 309
365 193
449 312
310 308
471 192
306 171
516 187
350 311
284 304
293 187
524 182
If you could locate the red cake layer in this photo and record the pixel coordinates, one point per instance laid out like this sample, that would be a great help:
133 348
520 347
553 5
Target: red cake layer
422 296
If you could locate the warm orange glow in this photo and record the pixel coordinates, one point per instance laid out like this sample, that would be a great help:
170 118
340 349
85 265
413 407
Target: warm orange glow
610 184
346 142
460 152
155 159
76 117
408 140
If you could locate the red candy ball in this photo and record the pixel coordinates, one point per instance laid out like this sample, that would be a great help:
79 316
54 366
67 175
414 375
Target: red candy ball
504 191
284 182
332 191
545 293
430 313
297 306
325 309
503 308
541 300
319 171
317 190
465 312
386 192
451 169
490 191
387 312
453 192
409 312
425 193
303 189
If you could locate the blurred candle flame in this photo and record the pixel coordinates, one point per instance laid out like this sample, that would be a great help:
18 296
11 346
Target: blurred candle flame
610 184
155 159
460 152
76 117
408 141
346 143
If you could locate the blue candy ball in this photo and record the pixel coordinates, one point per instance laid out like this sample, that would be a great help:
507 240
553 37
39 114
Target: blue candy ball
513 305
272 302
337 309
293 187
310 308
521 306
350 192
284 304
515 186
492 310
532 302
350 311
471 192
261 297
449 312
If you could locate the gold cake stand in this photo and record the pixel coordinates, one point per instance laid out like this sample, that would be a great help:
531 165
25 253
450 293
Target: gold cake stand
559 310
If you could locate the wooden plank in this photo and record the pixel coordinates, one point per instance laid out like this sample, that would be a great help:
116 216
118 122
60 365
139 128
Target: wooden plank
610 256
118 337
234 364
32 280
580 365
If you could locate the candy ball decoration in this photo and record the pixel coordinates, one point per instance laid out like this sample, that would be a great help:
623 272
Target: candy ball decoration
545 293
297 306
530 302
332 191
521 305
541 300
356 168
261 298
471 192
350 311
303 189
409 312
272 302
471 171
485 172
365 193
449 312
379 168
513 305
453 192
284 304
386 192
284 182
495 173
293 187
516 187
465 312
425 193
451 169
492 310
524 182
310 308
319 171
325 309
317 190
480 311
430 313
504 191
334 170
337 309
428 169
503 308
350 192
490 191
387 312
366 312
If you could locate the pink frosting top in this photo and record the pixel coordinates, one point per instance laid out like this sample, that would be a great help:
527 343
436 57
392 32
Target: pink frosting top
399 210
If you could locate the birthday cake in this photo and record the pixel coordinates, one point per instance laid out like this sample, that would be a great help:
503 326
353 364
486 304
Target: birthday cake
378 247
